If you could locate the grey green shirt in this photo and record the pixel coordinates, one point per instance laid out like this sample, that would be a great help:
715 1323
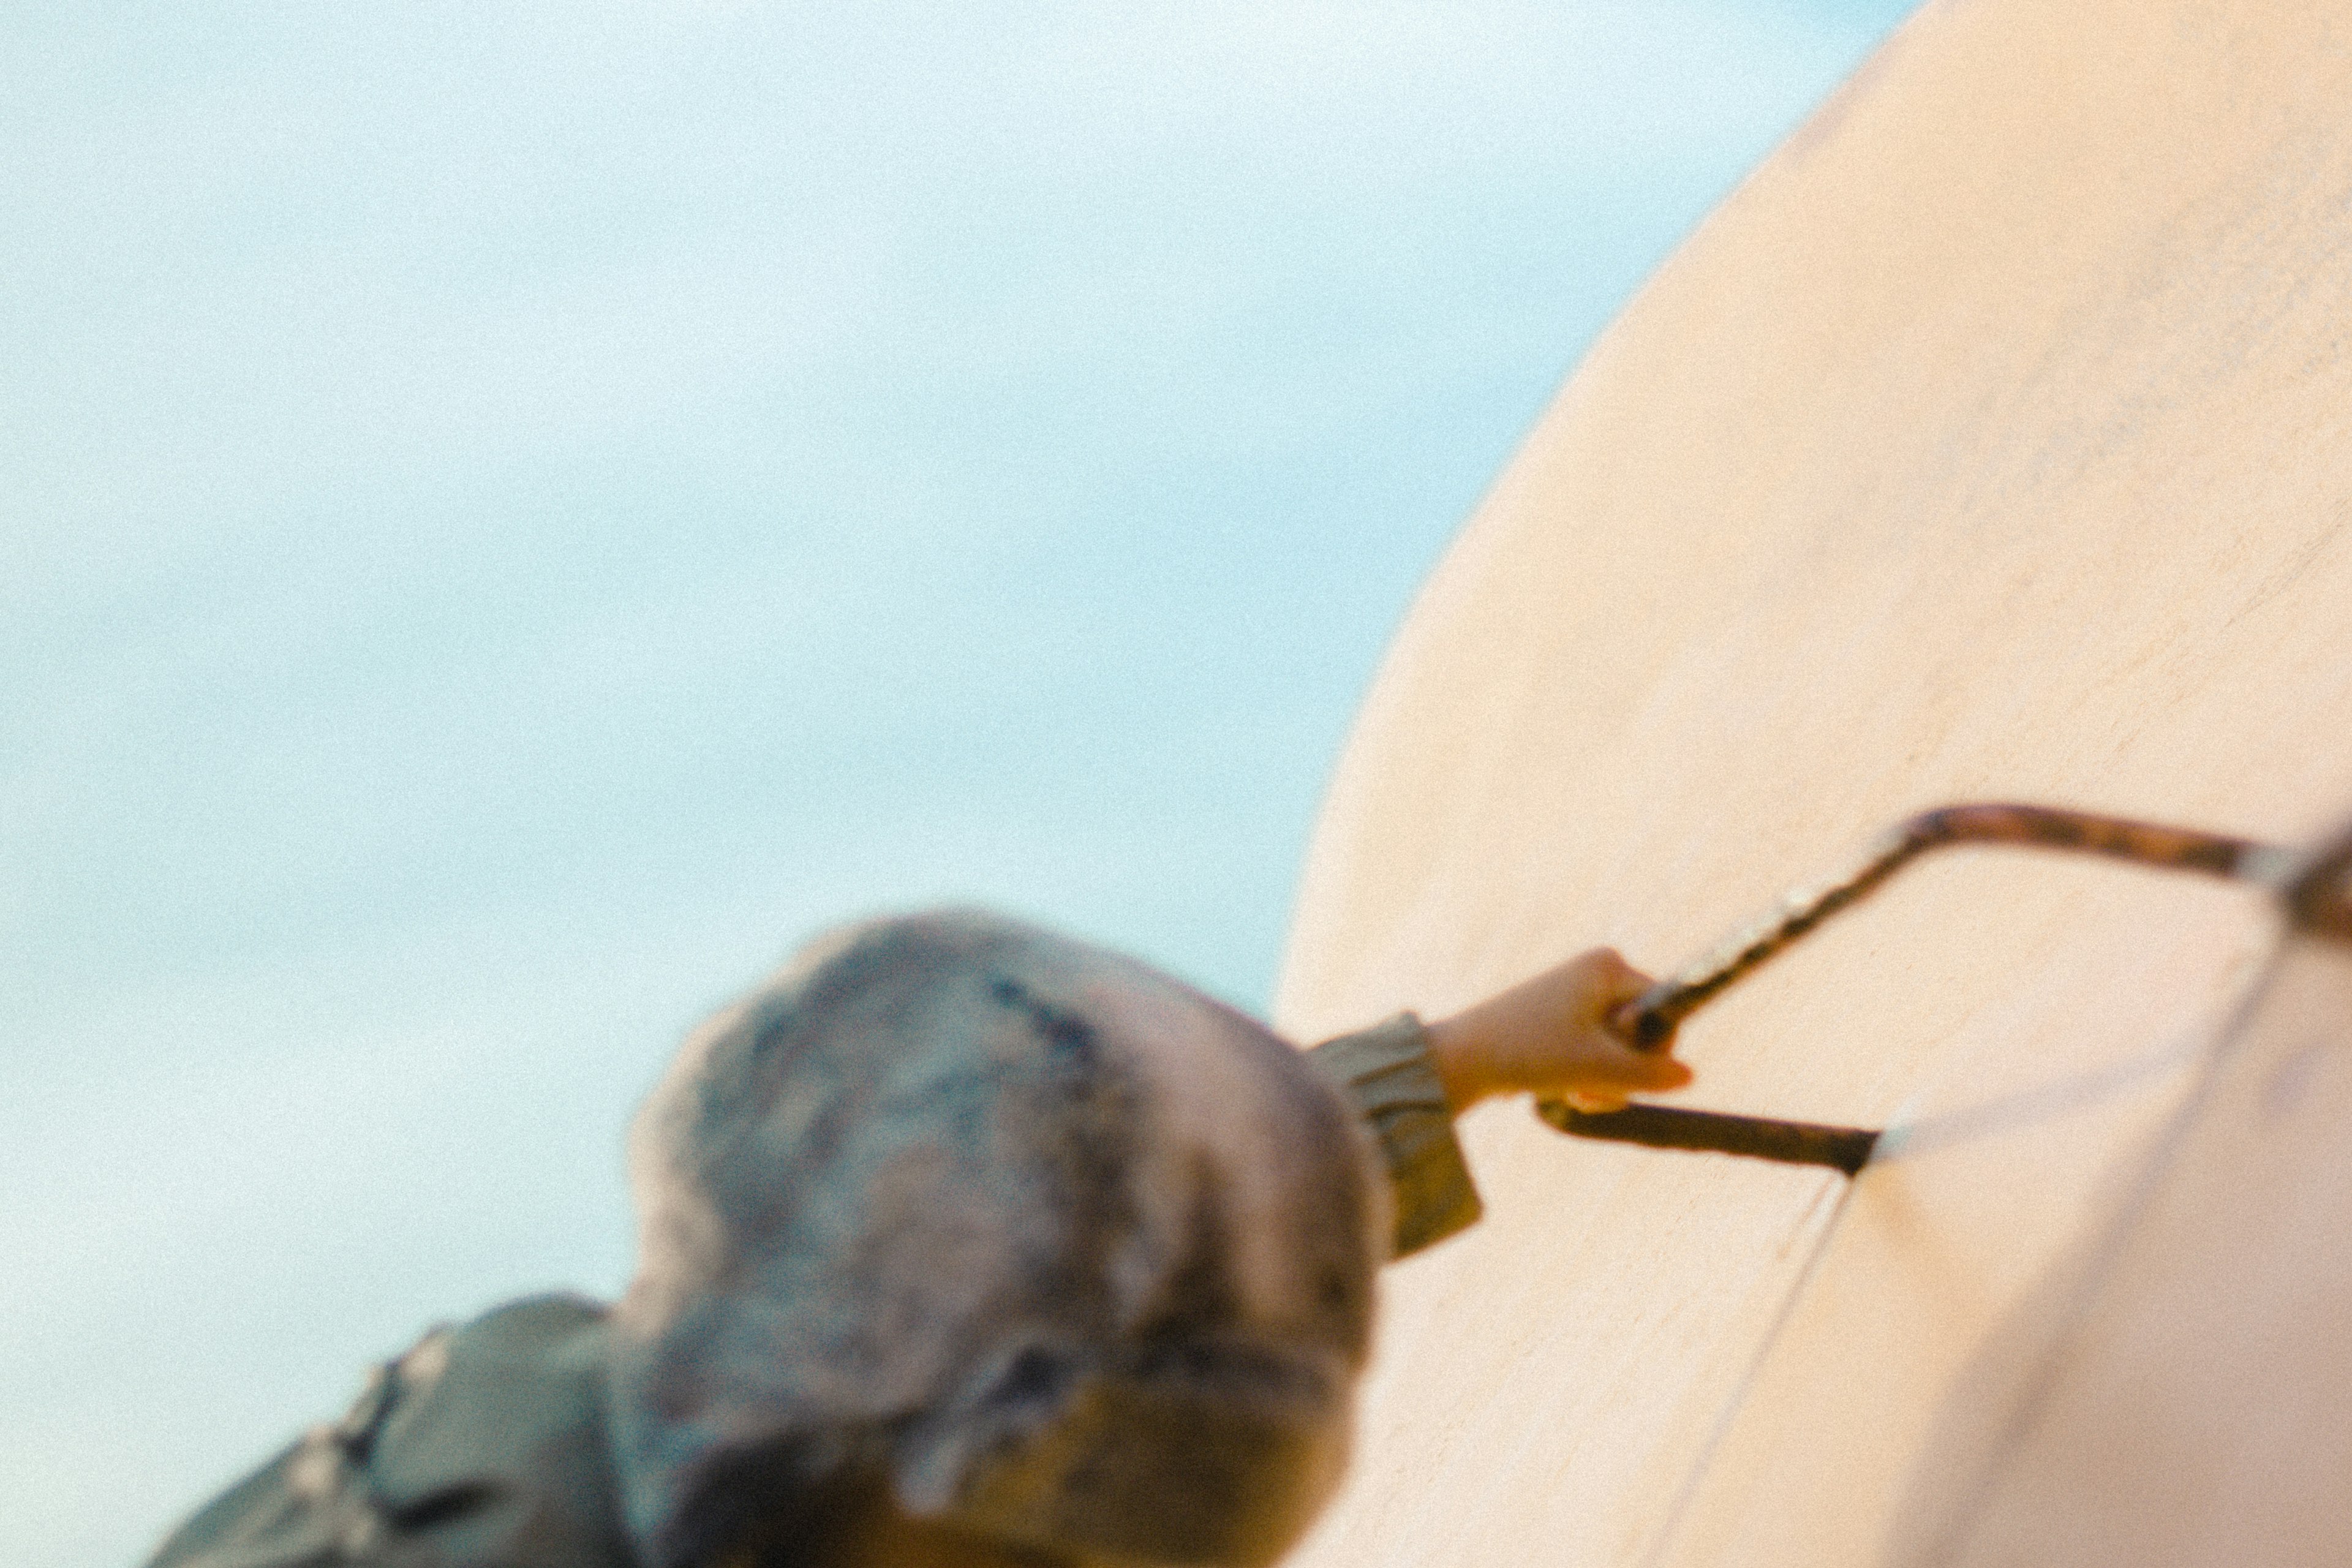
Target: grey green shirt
1386 1071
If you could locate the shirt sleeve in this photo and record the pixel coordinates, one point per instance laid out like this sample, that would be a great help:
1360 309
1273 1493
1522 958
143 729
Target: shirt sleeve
1386 1071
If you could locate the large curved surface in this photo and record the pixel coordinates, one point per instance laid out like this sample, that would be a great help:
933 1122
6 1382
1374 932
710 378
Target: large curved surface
2178 1389
1994 440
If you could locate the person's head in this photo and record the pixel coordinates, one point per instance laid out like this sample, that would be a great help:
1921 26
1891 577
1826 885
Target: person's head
966 1232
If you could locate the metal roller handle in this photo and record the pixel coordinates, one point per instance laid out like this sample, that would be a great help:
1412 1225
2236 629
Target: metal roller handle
1650 1020
2319 894
2316 890
1845 1149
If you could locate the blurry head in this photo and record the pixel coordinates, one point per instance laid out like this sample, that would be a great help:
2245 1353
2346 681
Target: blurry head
999 1234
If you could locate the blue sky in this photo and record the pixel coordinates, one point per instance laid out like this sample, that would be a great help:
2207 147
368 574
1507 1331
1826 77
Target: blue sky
513 515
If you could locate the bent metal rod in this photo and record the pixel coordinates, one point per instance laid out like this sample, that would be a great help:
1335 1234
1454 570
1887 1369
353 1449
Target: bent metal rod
2315 890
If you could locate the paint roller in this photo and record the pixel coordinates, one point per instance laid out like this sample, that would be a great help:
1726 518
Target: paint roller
2314 889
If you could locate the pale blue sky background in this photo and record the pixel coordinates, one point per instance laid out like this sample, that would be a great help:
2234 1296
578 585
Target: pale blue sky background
510 516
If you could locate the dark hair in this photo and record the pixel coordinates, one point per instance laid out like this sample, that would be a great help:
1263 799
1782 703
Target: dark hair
1052 1247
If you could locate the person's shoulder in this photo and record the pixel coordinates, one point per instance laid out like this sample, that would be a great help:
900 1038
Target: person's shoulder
566 1329
528 1370
510 1404
483 1443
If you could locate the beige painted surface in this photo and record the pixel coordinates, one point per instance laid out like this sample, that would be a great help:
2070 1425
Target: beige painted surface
2187 1392
1994 440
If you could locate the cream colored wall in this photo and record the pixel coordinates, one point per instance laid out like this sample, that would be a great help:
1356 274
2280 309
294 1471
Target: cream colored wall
2180 1392
1994 440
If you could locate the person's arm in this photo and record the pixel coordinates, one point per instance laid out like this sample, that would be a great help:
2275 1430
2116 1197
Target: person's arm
1548 1036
